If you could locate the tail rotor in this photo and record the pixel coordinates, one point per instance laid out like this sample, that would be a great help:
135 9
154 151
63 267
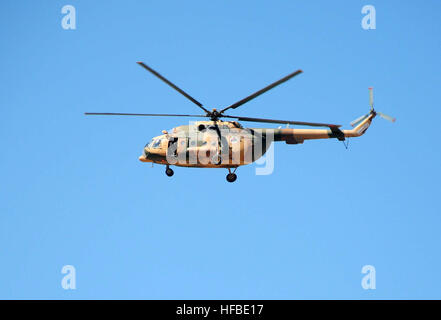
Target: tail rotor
360 119
371 98
385 116
372 111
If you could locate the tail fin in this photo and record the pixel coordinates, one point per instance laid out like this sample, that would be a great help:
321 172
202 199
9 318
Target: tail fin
360 125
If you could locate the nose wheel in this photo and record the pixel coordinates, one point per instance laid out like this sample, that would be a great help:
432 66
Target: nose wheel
231 176
169 171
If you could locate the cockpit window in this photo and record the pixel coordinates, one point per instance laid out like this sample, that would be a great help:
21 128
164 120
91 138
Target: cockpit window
156 143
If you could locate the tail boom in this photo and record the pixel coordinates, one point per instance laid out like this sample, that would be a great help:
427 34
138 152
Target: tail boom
295 136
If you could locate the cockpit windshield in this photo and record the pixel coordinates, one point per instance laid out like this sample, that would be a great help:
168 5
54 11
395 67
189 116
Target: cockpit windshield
154 143
149 144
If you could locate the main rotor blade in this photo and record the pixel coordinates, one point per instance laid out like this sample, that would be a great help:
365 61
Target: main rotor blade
185 94
258 93
142 114
300 123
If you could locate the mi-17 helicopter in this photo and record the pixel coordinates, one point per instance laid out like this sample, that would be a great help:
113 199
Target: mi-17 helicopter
227 144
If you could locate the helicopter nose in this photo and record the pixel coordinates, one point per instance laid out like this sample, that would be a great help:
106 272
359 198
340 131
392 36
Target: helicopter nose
144 156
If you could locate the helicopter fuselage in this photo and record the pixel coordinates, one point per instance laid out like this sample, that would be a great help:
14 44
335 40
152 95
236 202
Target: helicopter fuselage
207 144
226 144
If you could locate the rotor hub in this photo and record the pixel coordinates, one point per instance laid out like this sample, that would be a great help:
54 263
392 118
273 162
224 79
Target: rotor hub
214 115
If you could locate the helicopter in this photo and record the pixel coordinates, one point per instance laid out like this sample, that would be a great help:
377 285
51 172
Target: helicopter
222 142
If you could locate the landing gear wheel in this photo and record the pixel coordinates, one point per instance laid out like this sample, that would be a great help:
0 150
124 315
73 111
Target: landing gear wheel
169 172
231 177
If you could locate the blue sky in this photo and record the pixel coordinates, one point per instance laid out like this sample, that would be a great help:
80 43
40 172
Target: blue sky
74 193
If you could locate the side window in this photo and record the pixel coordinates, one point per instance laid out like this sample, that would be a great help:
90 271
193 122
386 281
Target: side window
183 143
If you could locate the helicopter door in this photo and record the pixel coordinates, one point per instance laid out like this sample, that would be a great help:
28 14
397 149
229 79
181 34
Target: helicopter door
172 149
